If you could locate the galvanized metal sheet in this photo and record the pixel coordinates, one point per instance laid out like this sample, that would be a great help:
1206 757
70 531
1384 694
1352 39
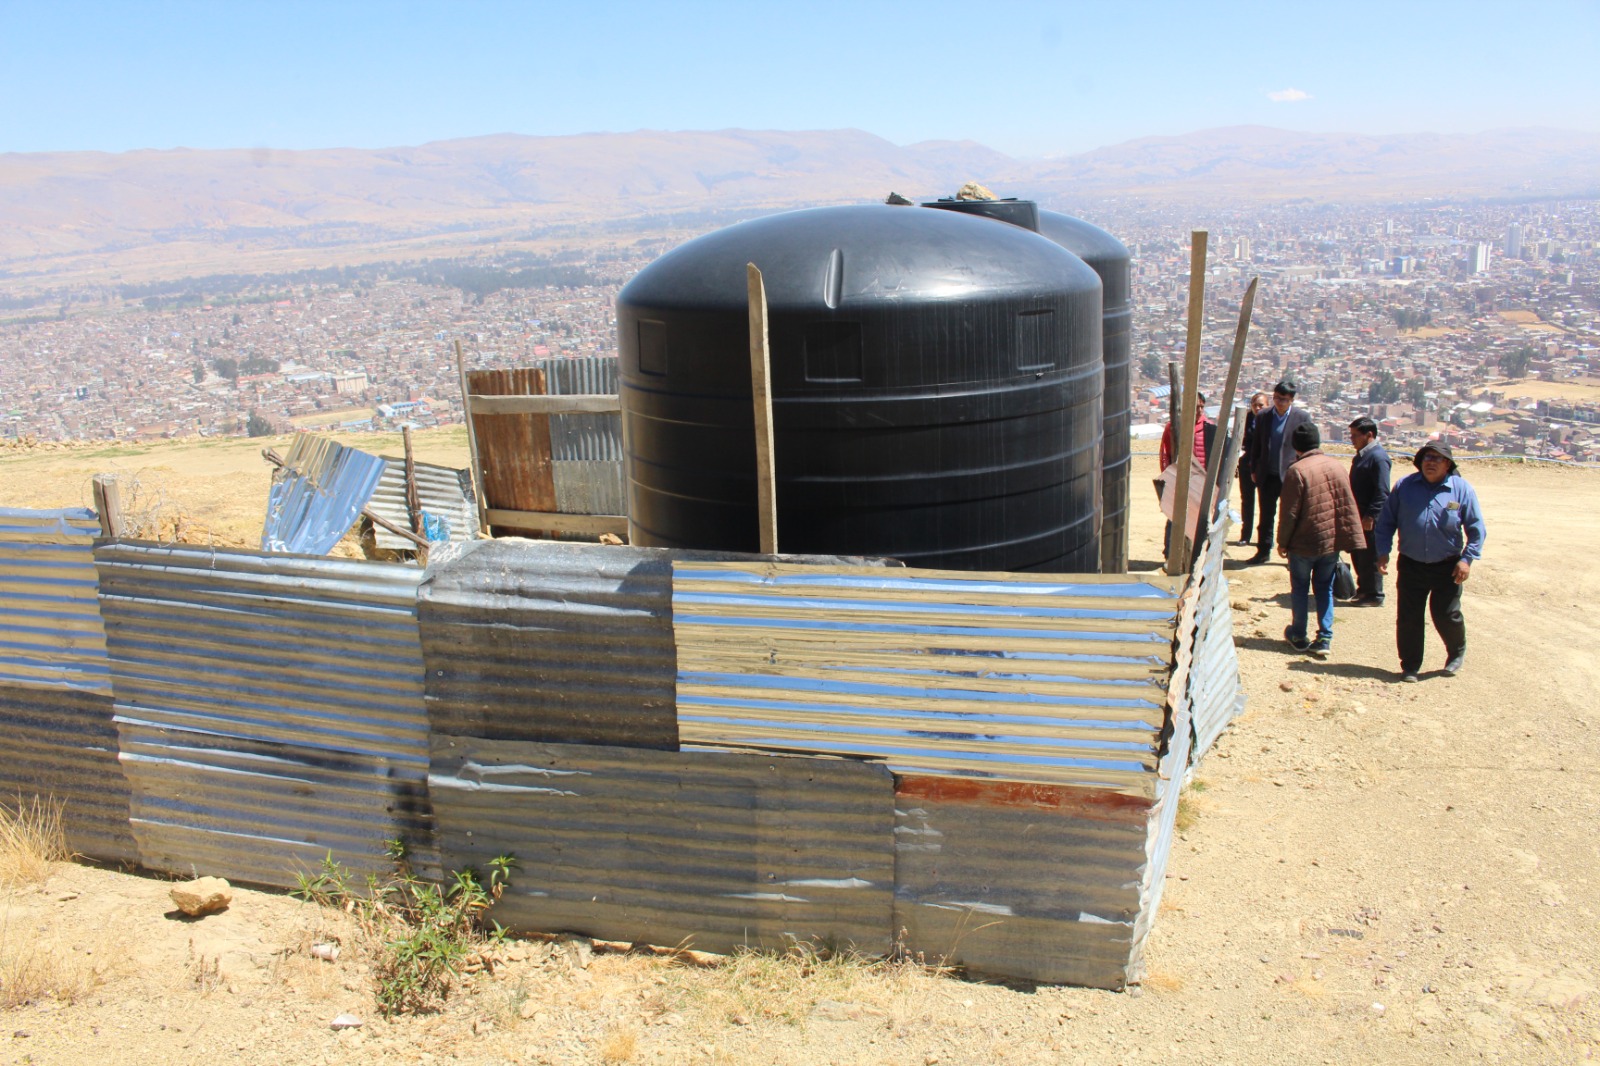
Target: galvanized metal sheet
50 630
1036 882
316 495
590 487
1215 691
1170 779
441 490
59 743
1015 677
532 640
269 706
707 851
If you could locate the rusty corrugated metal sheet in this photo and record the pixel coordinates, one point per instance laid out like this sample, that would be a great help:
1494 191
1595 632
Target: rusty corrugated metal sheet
50 631
269 708
1036 882
316 495
442 491
1016 677
534 640
513 450
702 850
59 742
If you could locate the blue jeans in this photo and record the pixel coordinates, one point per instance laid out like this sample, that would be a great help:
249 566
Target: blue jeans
1308 574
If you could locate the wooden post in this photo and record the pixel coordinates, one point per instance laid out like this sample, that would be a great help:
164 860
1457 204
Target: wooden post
1183 433
472 440
761 396
1213 464
108 504
413 501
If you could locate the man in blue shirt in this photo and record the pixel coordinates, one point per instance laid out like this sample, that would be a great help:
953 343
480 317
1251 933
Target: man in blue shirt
1441 530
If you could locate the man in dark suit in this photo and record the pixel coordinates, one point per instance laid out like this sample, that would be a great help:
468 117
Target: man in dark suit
1271 455
1247 484
1369 480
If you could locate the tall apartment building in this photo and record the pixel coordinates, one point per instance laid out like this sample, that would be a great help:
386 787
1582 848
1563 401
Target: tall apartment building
1477 257
1513 241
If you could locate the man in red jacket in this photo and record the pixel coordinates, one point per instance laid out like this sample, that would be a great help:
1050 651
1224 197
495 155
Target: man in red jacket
1317 519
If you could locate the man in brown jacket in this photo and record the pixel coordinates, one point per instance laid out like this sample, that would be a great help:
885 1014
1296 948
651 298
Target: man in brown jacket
1317 519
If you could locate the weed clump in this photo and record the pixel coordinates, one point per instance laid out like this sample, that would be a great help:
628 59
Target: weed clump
31 840
425 932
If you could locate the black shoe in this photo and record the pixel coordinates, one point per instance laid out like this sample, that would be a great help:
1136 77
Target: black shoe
1409 677
1258 558
1453 665
1243 542
1367 601
1297 643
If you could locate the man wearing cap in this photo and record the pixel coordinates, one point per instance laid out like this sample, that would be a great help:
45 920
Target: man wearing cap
1271 455
1319 520
1441 530
1369 480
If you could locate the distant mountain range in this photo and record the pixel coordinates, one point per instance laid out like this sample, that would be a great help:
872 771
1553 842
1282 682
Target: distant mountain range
81 214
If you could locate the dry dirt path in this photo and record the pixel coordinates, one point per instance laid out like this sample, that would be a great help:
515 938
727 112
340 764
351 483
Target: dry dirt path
1376 873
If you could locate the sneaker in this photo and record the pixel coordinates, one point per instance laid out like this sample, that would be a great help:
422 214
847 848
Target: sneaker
1320 648
1410 678
1453 665
1297 643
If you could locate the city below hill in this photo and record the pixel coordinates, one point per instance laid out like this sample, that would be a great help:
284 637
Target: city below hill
169 213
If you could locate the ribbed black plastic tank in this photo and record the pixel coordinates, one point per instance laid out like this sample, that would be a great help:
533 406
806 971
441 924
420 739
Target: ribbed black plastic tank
936 391
1109 259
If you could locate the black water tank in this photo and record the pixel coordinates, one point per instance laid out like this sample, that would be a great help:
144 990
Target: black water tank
1109 259
936 391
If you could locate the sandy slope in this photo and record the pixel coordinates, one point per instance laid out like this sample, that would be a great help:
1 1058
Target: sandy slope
1377 874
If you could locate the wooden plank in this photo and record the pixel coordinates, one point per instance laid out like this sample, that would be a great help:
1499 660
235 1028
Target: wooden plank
1225 410
472 439
514 449
1183 433
544 405
413 500
554 521
761 397
108 504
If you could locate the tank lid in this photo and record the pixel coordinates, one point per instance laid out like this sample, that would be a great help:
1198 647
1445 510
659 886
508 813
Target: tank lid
1024 213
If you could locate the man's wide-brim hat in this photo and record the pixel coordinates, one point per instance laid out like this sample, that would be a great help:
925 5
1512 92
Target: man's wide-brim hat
1437 448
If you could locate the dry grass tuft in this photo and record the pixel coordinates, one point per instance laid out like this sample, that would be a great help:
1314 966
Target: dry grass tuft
31 971
620 1045
31 840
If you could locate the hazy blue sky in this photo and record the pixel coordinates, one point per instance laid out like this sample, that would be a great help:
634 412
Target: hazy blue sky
1029 79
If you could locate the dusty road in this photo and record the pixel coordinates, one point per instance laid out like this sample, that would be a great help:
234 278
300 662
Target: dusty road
1376 873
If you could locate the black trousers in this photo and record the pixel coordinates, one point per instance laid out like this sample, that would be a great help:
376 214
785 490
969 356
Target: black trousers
1267 493
1365 563
1247 502
1430 585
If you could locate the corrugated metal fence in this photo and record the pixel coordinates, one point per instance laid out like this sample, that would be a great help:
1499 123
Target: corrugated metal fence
681 748
269 708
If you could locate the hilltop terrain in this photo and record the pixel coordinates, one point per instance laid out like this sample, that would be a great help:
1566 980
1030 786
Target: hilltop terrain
1367 872
137 215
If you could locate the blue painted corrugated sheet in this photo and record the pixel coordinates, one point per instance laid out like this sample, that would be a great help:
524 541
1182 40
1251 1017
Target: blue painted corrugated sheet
50 631
269 708
316 495
533 640
708 851
1013 677
59 743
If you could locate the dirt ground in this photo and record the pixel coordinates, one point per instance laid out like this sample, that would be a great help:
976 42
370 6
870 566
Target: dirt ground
1373 873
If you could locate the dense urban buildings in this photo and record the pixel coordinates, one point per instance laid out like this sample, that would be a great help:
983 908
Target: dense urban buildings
1479 324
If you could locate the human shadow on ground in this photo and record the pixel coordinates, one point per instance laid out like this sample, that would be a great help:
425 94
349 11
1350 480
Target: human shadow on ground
1331 668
